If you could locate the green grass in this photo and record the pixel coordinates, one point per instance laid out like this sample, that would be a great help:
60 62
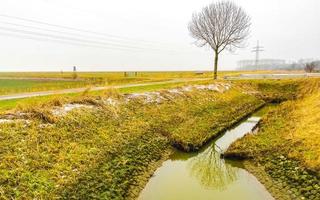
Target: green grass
43 81
11 86
105 75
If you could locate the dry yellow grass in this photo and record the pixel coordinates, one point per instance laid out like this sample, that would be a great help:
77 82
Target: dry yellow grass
292 129
306 119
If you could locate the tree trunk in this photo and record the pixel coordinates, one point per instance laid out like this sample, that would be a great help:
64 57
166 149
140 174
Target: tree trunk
216 55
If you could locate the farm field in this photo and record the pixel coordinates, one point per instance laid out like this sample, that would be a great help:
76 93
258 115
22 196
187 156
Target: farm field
11 86
119 75
22 85
20 82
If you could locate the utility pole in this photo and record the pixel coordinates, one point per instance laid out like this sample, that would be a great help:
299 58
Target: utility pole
257 49
74 75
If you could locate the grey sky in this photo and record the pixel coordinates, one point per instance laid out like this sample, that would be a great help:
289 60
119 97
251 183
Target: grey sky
155 31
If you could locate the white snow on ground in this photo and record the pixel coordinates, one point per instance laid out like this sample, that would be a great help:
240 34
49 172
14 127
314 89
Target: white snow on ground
8 121
157 97
60 111
146 97
3 121
111 102
176 91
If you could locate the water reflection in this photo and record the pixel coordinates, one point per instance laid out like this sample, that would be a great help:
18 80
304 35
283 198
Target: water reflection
210 170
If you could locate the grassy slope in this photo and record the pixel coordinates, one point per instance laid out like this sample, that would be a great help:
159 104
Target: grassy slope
8 105
286 147
195 120
105 153
291 129
96 154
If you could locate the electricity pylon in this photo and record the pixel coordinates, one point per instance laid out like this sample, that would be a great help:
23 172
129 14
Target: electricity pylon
257 49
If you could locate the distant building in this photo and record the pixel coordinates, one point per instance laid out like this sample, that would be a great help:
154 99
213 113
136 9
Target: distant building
276 64
263 64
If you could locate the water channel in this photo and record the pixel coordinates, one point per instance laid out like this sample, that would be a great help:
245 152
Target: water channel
204 175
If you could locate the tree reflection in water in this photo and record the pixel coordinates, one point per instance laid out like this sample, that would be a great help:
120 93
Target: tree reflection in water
211 170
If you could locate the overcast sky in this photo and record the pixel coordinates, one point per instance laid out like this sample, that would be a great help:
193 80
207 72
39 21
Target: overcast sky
143 34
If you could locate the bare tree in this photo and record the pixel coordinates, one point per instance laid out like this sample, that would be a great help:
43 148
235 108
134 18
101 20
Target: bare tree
222 25
310 67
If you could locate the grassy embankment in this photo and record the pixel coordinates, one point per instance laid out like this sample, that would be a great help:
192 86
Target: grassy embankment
109 152
287 144
21 82
7 105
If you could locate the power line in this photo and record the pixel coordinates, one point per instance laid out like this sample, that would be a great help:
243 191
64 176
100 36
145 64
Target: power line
69 38
55 31
78 30
98 40
76 39
71 41
61 42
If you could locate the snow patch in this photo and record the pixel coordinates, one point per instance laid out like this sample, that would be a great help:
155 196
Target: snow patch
111 102
60 111
157 97
9 121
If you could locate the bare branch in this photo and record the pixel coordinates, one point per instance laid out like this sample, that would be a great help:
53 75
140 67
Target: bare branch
222 25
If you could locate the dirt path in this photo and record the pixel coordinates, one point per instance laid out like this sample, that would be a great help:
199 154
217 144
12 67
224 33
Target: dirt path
78 90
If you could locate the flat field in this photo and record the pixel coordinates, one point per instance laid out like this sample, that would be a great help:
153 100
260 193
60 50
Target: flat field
19 82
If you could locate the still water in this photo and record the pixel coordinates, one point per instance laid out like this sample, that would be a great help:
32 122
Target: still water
204 175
